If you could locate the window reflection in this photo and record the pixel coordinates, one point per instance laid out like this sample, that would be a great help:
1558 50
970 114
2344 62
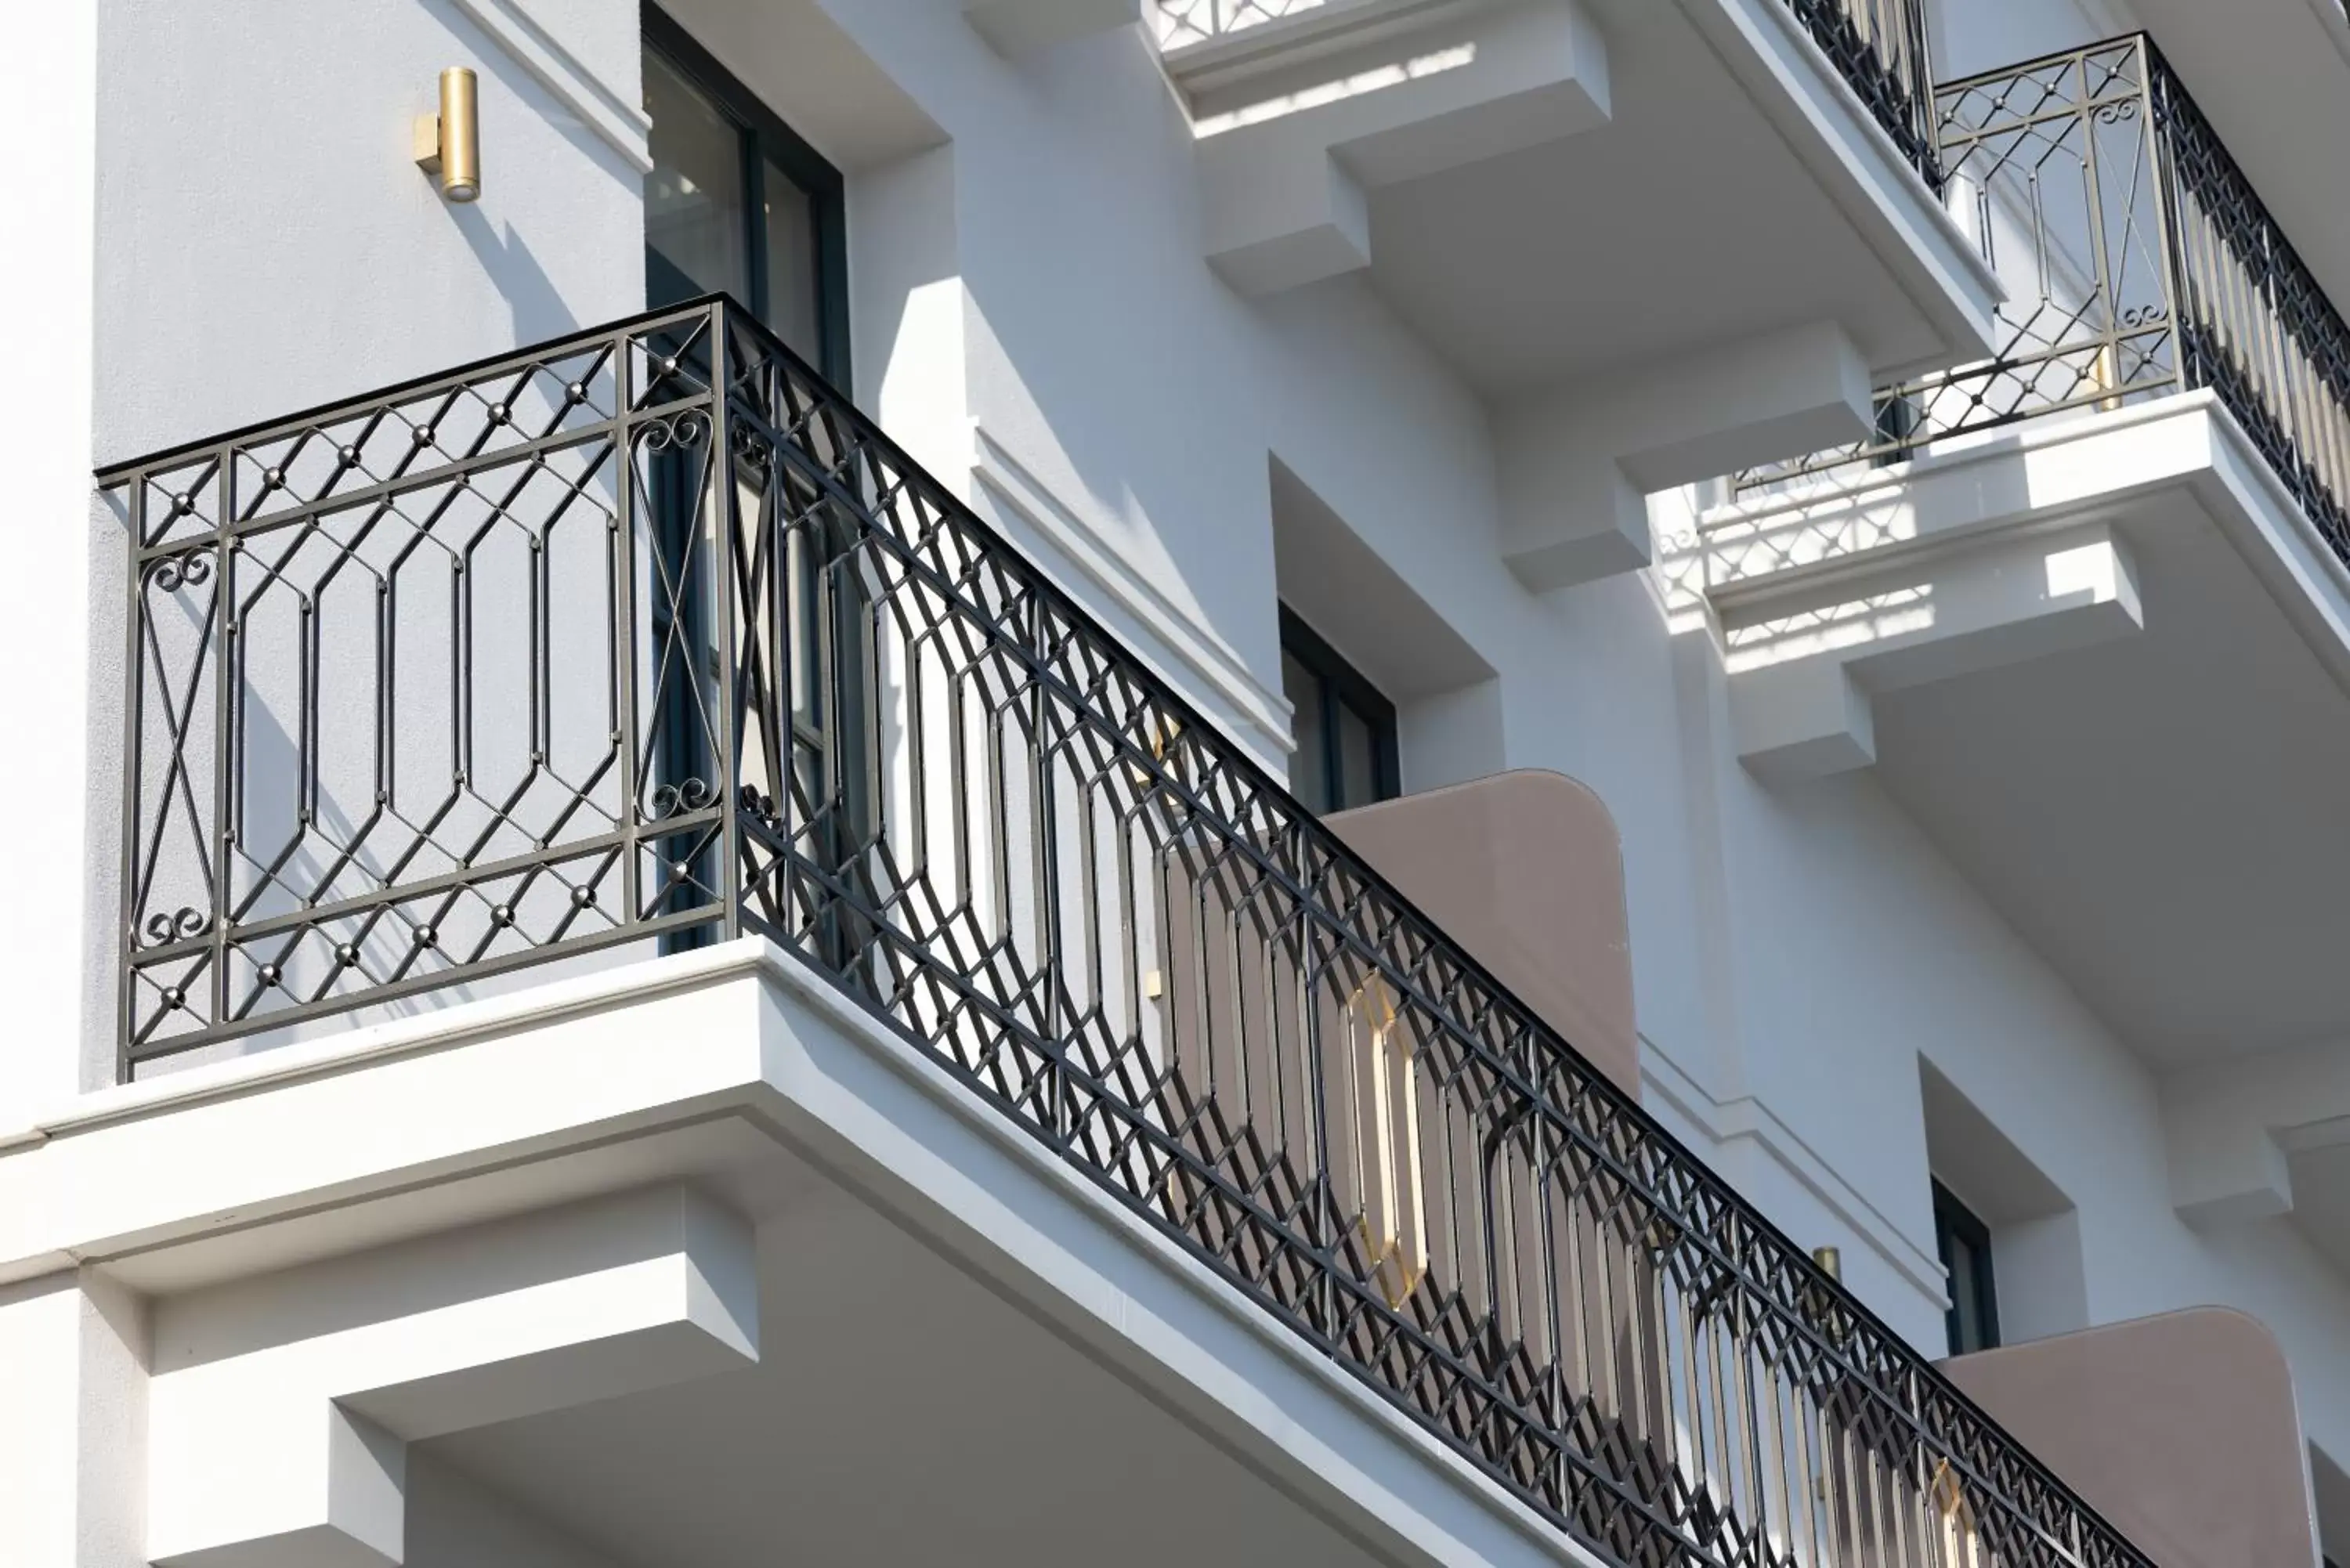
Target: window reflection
735 203
1344 727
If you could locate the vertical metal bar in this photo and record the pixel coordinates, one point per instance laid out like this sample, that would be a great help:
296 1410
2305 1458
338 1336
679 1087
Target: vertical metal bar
725 505
1917 86
2093 184
866 820
833 922
1045 824
225 759
1317 1045
134 674
622 532
2169 216
781 722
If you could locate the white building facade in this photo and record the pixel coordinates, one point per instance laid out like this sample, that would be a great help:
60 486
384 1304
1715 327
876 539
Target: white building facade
1520 781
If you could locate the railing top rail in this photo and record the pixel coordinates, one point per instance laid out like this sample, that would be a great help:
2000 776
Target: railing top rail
2043 62
1780 1278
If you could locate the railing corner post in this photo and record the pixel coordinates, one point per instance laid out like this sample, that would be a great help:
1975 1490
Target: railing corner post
725 521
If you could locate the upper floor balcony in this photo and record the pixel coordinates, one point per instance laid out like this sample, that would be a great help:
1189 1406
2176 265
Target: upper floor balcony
645 639
2084 606
1877 46
1542 189
2140 262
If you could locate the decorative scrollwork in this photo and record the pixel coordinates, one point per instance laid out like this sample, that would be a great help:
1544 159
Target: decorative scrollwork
191 570
177 925
690 794
680 432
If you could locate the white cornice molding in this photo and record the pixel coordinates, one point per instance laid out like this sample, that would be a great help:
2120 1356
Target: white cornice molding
1748 1118
609 113
1222 673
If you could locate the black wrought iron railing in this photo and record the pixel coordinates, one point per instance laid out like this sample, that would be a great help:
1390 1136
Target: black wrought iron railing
1879 47
647 633
2140 263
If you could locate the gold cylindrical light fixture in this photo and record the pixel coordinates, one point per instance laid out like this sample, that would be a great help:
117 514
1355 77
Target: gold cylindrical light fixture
461 135
449 147
1831 1261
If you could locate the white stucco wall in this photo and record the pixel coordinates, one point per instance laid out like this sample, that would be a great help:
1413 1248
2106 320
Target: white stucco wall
266 241
45 610
73 1426
454 1522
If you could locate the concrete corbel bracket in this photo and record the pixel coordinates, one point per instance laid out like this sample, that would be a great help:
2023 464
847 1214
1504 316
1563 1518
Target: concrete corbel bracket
1297 125
1805 664
280 1408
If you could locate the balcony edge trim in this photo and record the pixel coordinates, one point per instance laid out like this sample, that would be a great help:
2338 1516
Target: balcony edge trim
757 1101
2292 561
777 966
1860 169
549 1002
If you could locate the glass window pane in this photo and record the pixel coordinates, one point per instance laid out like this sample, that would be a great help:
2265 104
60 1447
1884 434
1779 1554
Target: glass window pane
1357 762
694 231
1966 1296
790 220
1308 777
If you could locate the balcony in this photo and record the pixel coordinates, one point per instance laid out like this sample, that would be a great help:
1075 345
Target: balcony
2083 606
1877 46
1538 189
2141 264
645 639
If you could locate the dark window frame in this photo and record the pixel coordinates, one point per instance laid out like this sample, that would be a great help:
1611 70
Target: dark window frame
1341 684
767 139
1953 1219
763 139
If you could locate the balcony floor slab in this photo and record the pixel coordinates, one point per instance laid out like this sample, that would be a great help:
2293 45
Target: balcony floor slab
932 1277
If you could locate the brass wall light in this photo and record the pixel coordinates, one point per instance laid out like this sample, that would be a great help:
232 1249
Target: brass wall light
449 145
